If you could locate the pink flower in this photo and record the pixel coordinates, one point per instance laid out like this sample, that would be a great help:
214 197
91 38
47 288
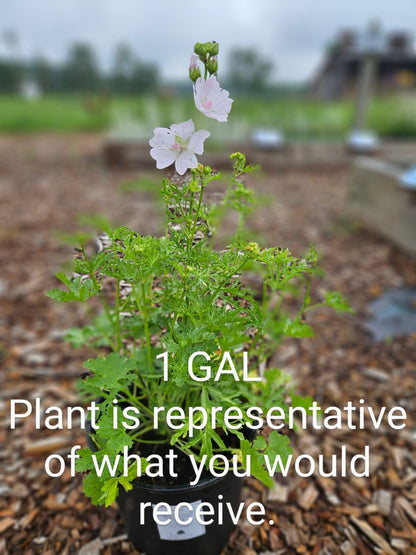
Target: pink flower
211 100
194 71
177 144
193 62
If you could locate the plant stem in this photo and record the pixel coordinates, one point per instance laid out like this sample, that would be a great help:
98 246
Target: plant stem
146 330
117 314
195 221
305 298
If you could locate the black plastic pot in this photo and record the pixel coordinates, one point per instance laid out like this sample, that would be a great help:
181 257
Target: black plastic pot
151 538
174 538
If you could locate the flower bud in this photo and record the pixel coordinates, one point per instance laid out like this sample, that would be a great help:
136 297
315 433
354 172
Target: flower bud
212 65
252 248
214 48
194 186
194 73
197 47
201 50
193 62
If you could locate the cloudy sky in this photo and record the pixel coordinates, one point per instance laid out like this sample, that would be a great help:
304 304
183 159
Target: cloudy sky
292 33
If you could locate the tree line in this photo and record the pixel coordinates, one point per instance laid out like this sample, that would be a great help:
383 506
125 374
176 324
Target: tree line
80 72
248 73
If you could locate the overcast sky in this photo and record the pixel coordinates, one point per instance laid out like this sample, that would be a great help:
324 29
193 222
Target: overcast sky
292 33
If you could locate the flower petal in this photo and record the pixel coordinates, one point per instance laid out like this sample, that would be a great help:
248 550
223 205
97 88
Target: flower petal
164 157
183 130
177 144
196 142
211 100
193 63
163 138
184 161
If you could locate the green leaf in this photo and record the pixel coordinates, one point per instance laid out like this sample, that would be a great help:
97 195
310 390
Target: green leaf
97 334
126 483
92 488
84 462
132 473
302 402
114 439
260 443
111 374
335 300
297 328
77 336
256 461
78 289
279 444
109 491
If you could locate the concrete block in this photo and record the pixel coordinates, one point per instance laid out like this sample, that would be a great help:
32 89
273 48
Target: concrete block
377 199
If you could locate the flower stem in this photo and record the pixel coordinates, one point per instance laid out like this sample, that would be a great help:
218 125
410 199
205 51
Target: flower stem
146 330
117 314
198 210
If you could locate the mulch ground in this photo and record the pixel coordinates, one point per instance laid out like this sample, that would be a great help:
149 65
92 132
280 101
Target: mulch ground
46 182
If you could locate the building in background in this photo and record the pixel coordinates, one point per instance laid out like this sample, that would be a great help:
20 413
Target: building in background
395 70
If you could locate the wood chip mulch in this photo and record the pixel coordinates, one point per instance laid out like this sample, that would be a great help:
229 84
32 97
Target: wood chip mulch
46 182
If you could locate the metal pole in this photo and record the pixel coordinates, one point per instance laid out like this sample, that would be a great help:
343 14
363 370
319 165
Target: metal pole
364 91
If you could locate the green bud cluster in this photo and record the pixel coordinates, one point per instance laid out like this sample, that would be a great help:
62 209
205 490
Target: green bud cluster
253 248
194 186
206 49
207 52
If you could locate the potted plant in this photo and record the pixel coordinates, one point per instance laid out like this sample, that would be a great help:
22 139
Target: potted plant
181 388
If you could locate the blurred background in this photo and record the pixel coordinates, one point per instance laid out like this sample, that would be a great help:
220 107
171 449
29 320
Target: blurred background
78 65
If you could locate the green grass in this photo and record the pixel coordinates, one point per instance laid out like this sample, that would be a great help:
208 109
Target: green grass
299 119
60 114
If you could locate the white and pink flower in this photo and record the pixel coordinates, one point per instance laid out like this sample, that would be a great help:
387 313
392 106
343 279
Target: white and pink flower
211 99
194 71
178 145
193 63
